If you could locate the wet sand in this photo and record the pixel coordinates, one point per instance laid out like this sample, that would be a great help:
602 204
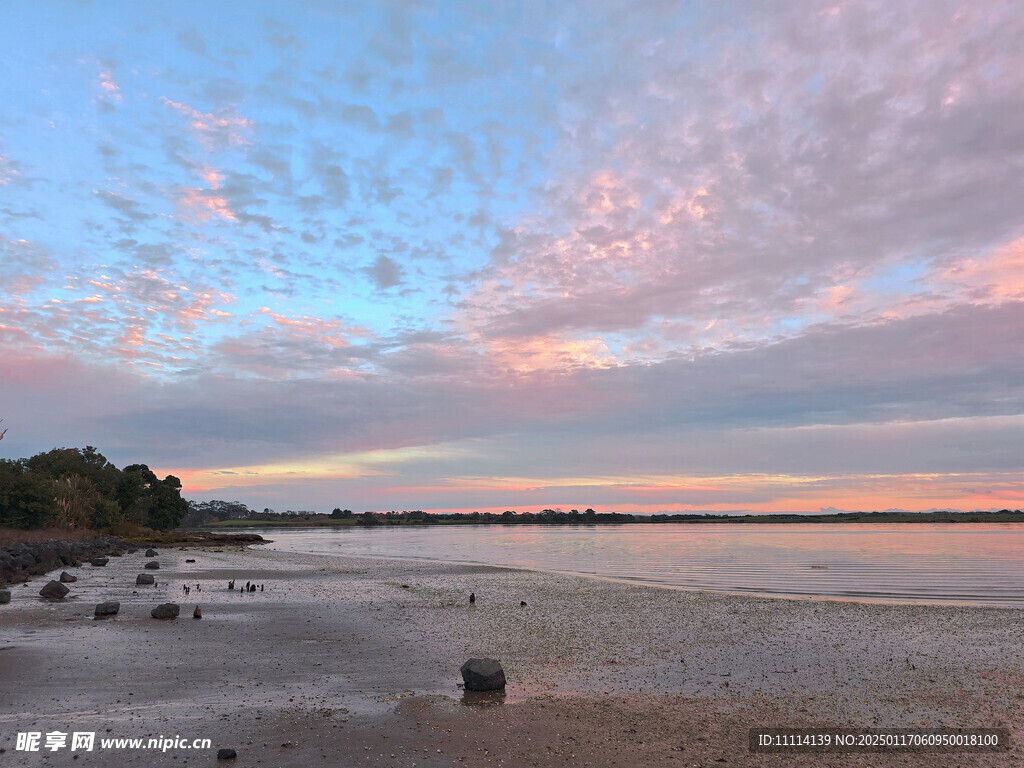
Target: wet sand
335 663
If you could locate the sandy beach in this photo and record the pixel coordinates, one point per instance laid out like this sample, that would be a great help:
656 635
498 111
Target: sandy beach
350 661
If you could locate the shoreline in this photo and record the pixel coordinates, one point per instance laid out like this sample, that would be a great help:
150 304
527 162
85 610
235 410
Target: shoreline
23 560
336 654
659 585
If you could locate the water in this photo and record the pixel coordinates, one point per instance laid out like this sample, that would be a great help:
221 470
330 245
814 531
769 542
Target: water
979 564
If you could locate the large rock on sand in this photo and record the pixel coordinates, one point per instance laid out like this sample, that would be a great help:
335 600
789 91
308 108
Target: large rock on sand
5 596
153 565
483 675
67 578
54 591
144 578
150 553
99 561
166 611
109 608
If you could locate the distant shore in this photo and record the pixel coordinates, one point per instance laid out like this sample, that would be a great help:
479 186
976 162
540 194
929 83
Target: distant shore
420 518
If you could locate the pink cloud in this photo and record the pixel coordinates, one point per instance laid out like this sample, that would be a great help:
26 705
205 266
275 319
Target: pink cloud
213 129
109 89
333 333
9 172
205 205
550 353
995 277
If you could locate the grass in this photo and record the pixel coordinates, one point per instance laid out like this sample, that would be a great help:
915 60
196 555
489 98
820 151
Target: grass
11 536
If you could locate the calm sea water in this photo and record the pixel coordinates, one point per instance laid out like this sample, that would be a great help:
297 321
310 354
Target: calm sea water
981 564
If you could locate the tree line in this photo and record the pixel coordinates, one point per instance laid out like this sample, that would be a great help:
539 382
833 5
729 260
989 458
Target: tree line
79 488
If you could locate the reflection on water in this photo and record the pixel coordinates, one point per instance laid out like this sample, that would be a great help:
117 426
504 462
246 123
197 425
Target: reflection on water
979 563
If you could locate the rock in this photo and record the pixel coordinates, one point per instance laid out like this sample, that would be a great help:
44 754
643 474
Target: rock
67 578
54 591
226 754
150 553
144 578
99 561
190 561
5 596
483 675
197 613
166 611
153 565
405 586
109 608
522 603
472 597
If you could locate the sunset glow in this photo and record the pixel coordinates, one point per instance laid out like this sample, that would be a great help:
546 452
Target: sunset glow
731 257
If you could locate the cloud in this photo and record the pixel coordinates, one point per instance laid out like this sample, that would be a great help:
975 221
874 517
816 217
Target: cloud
23 266
204 204
631 247
385 272
760 188
110 91
214 131
192 41
123 205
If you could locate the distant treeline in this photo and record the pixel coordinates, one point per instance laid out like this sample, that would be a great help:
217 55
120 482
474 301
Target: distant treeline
235 513
217 511
75 488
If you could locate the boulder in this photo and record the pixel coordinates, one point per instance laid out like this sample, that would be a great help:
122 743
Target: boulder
67 578
109 608
483 675
197 613
153 565
226 754
54 591
99 561
190 561
46 558
150 553
166 611
144 578
5 596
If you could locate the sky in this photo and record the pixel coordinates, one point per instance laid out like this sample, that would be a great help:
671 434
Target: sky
636 256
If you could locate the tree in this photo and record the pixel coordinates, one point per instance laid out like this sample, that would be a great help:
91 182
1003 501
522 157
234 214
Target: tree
76 501
148 501
26 498
74 488
169 507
